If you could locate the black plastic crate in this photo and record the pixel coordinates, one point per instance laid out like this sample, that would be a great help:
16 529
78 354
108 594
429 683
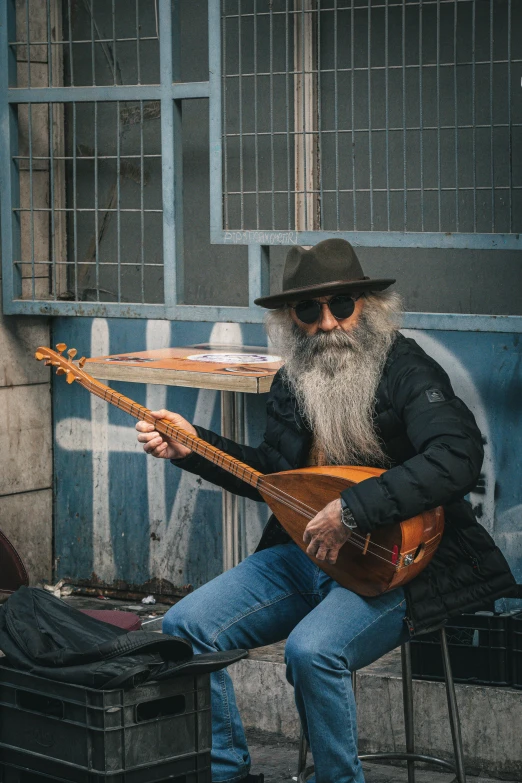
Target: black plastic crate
478 648
516 650
102 735
194 768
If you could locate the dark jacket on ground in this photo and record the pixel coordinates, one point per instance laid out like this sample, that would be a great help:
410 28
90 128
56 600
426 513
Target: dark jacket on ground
435 450
45 636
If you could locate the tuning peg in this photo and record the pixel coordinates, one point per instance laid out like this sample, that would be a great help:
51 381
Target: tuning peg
81 362
47 362
70 377
60 347
61 371
71 353
39 356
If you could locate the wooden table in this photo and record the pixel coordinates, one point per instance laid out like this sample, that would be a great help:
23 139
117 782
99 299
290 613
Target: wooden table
171 367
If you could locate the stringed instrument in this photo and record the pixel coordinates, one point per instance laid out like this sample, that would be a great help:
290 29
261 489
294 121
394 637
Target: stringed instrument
367 564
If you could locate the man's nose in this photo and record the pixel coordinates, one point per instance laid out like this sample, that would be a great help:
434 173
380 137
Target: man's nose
327 322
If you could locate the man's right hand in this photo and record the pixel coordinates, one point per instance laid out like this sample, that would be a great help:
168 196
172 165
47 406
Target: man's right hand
159 445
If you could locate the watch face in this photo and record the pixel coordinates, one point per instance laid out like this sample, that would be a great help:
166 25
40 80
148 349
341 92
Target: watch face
348 518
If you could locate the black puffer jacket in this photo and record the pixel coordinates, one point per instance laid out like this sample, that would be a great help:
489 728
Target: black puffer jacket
436 453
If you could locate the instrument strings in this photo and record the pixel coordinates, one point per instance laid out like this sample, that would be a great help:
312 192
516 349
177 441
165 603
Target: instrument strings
356 539
215 456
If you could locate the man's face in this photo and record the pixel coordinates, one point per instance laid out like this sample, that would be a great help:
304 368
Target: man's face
328 322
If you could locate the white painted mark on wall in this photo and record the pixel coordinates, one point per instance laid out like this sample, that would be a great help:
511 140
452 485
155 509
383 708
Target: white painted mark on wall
172 553
157 336
101 438
226 334
168 551
102 549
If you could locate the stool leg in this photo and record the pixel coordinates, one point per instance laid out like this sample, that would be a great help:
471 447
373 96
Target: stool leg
407 697
354 684
303 752
453 710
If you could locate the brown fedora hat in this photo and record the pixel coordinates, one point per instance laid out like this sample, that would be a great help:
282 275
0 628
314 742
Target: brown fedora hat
330 267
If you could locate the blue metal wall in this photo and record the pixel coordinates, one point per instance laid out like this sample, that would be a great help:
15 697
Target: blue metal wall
123 516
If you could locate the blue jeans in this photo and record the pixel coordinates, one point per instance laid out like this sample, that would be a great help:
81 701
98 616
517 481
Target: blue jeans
278 594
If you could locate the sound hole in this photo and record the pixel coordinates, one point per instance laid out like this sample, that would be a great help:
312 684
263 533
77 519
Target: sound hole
419 553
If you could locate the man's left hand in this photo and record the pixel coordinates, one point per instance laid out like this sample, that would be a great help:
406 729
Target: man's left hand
325 533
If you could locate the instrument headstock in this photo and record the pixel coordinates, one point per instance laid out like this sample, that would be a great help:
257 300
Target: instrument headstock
64 366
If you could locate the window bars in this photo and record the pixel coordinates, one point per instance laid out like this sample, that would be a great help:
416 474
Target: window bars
84 42
86 212
85 176
90 111
389 122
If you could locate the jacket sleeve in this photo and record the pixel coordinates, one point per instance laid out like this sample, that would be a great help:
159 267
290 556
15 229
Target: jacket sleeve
443 432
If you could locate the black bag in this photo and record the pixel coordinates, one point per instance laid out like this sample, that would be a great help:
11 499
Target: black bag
45 636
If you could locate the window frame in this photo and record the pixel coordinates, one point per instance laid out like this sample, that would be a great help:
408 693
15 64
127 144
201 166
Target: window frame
263 239
169 93
391 239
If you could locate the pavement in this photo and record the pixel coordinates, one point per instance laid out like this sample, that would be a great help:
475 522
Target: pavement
150 614
278 761
490 716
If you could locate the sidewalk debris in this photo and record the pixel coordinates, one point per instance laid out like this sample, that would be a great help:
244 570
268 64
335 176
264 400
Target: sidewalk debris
59 590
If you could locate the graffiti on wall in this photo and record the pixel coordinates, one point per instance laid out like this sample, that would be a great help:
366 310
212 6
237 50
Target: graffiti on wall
169 527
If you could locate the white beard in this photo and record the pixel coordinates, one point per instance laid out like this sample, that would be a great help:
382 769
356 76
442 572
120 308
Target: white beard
335 375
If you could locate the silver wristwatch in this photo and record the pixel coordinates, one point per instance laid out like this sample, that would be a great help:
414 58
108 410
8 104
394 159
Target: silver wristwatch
347 518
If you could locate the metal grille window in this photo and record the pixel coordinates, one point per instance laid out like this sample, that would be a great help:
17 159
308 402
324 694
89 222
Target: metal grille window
389 122
90 109
83 198
82 42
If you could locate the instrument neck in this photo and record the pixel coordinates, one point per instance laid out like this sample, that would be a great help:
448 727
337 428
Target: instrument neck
165 427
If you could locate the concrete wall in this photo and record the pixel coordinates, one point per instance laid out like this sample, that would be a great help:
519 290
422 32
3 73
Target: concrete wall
26 443
26 497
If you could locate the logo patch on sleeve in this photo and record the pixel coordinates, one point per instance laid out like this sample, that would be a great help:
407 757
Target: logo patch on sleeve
435 395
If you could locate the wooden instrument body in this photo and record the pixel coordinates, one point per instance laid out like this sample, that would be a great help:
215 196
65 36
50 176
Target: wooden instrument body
373 572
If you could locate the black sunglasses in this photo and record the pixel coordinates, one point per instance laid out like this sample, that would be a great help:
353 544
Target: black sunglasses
341 306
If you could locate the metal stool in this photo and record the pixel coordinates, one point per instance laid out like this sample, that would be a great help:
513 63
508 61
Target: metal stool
303 773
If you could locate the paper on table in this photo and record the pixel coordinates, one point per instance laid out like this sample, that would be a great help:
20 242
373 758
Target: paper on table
234 358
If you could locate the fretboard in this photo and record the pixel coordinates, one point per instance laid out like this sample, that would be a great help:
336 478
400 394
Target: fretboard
198 445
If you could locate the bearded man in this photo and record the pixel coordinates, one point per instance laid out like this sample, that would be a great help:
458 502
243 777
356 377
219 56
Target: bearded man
353 391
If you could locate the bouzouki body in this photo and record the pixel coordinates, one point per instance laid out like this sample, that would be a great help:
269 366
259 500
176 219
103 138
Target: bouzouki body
369 565
394 554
